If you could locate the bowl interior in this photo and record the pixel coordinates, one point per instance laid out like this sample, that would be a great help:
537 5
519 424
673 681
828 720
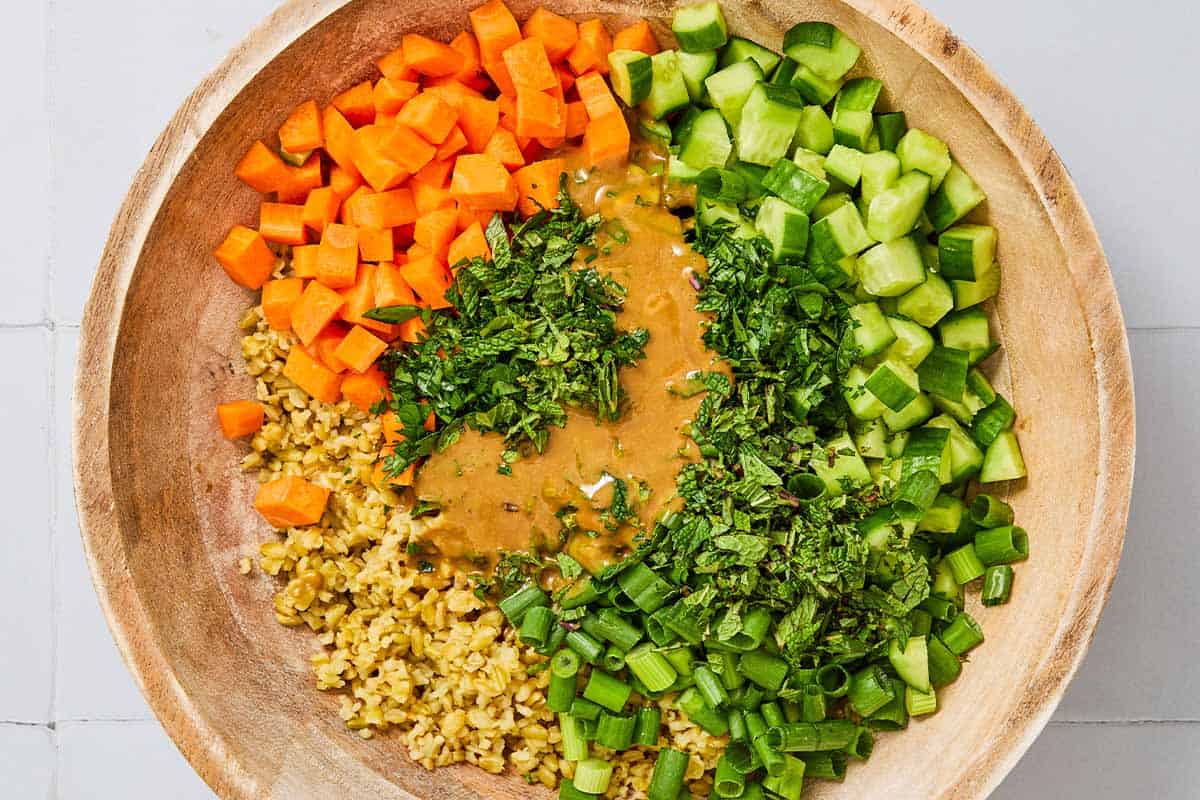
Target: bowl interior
234 687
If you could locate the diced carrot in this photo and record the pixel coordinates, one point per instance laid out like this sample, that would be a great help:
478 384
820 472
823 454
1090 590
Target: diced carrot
315 309
321 208
495 29
429 278
504 148
566 78
402 145
606 140
402 237
532 149
245 257
325 345
304 260
539 114
482 182
454 143
592 49
468 48
471 243
382 479
596 96
451 91
384 209
478 119
240 418
416 251
344 182
360 298
390 95
337 258
430 423
498 72
551 142
393 428
352 204
468 216
430 198
377 166
413 330
359 349
507 105
365 390
429 115
282 223
301 180
390 287
278 299
339 139
312 376
301 131
395 68
262 169
357 104
291 501
375 244
537 185
529 67
557 34
577 119
436 230
637 36
430 57
435 173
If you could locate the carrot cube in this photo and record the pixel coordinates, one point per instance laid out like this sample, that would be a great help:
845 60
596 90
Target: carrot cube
436 230
301 180
315 309
529 67
378 167
359 349
282 223
391 289
390 95
430 57
592 49
482 182
606 140
357 104
321 208
471 243
337 260
304 260
454 143
302 130
537 185
429 277
312 376
262 169
291 501
323 347
375 244
637 36
394 67
339 140
278 299
504 148
240 418
245 257
430 116
557 34
365 390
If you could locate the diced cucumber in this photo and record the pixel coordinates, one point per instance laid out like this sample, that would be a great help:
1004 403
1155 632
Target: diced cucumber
794 185
859 94
912 342
706 142
845 164
991 420
971 293
655 130
668 92
852 128
847 465
892 268
682 126
753 175
927 303
810 162
821 47
839 234
695 68
872 333
785 227
830 203
928 449
768 123
944 516
879 172
815 131
894 211
894 383
978 384
967 251
965 457
980 355
966 330
962 410
711 212
722 185
911 663
870 438
929 256
784 71
912 415
898 441
680 171
630 72
740 49
891 128
872 142
700 27
954 199
944 373
1003 460
729 88
863 405
813 87
919 150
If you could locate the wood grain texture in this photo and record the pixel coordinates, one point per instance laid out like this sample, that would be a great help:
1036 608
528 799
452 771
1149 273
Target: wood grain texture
166 514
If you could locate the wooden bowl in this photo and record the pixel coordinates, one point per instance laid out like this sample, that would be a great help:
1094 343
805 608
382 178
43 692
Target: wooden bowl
166 514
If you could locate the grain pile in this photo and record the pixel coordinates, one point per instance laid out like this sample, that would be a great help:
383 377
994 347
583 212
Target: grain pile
417 655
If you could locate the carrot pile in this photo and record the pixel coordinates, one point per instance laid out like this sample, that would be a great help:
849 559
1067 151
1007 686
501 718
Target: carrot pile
384 192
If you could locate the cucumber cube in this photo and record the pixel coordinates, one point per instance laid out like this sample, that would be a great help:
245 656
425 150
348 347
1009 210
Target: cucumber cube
794 185
954 199
753 175
821 47
668 92
815 131
785 227
630 72
891 128
680 171
1003 460
944 516
967 251
740 49
928 154
912 343
927 303
813 87
872 333
971 293
785 70
700 27
810 162
840 466
966 330
852 128
894 383
863 405
859 94
768 124
965 456
706 142
912 415
944 373
839 234
830 203
845 164
911 663
928 449
729 88
894 212
655 130
879 172
870 438
892 268
695 68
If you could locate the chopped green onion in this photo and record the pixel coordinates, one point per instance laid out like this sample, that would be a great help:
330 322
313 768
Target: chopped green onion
772 714
565 664
921 620
567 791
710 687
691 703
1002 545
617 599
893 716
812 704
649 720
607 691
789 783
748 698
614 659
517 604
667 779
650 667
560 695
939 608
609 625
772 759
589 729
615 731
579 593
659 633
965 564
990 512
737 725
834 680
728 780
962 635
755 625
944 666
585 709
724 663
575 746
870 690
680 658
810 737
792 711
829 766
641 585
588 648
918 704
556 639
766 670
592 775
741 754
861 745
997 585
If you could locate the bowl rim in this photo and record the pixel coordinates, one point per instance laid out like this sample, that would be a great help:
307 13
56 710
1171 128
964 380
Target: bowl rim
918 29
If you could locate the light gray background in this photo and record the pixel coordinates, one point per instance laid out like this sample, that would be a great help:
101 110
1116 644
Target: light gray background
90 84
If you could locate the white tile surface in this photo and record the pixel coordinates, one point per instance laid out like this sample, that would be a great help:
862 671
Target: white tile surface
1093 75
91 681
25 629
26 762
130 761
147 60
